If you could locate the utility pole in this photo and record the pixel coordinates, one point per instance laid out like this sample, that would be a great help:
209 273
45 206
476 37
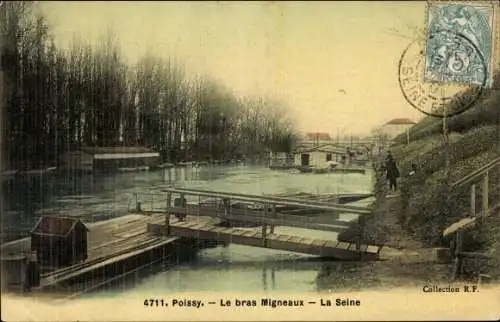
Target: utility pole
446 143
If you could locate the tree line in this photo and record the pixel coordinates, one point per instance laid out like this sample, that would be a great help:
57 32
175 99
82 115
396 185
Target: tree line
56 100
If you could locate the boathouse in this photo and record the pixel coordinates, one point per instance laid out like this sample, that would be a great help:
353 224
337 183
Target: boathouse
320 156
59 241
89 159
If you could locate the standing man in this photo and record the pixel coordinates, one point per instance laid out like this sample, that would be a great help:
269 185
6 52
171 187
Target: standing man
392 171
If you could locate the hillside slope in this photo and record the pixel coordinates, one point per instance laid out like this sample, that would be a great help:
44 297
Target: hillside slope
427 207
414 221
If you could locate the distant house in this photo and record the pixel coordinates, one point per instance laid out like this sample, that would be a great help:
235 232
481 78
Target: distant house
394 127
111 158
317 136
320 156
59 241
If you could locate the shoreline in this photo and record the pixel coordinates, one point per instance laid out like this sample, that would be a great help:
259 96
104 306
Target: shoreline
404 261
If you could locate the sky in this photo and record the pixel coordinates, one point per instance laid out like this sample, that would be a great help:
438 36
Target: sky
335 64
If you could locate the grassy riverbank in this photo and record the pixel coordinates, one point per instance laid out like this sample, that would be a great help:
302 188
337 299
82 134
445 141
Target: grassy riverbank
427 205
414 221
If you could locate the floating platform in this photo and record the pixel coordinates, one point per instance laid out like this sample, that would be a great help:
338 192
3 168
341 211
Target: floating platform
283 167
332 170
14 174
165 166
110 243
340 198
134 169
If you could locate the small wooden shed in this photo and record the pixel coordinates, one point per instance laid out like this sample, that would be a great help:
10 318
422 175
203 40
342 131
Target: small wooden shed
59 241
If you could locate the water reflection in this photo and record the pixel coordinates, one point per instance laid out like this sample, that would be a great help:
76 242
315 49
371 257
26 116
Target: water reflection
237 267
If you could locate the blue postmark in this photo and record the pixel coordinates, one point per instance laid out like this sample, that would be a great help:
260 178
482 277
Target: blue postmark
459 44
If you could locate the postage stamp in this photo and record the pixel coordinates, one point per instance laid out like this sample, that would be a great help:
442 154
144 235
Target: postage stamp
460 43
437 99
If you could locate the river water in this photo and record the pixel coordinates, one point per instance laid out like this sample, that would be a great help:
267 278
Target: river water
232 268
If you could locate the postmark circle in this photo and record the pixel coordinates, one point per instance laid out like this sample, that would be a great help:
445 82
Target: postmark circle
438 98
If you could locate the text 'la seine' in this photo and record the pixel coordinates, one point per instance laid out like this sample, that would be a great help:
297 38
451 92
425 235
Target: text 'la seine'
274 303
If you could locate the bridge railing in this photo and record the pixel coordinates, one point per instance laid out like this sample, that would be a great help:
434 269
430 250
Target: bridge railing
285 201
265 211
260 210
479 176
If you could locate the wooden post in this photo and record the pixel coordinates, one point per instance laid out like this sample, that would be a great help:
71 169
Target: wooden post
227 204
183 198
264 237
169 200
264 226
457 265
167 223
273 215
473 200
359 237
485 194
167 215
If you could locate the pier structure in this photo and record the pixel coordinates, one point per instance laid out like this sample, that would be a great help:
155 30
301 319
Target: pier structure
182 206
198 219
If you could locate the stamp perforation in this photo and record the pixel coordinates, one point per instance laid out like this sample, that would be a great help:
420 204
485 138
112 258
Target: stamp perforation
463 12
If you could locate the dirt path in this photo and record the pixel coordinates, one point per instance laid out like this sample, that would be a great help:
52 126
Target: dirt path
404 260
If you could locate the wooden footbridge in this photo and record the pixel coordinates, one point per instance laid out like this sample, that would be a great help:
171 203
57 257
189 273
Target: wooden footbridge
227 210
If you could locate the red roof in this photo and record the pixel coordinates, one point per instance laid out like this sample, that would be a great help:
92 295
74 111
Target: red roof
318 136
400 121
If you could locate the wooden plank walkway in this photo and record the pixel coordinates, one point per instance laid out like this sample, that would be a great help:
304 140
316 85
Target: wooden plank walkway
255 238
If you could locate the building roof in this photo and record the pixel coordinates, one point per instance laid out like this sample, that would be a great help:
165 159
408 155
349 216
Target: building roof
115 156
56 226
400 121
119 152
318 136
325 148
115 149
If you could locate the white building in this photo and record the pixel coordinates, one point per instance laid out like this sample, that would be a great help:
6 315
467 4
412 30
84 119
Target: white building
394 127
320 156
